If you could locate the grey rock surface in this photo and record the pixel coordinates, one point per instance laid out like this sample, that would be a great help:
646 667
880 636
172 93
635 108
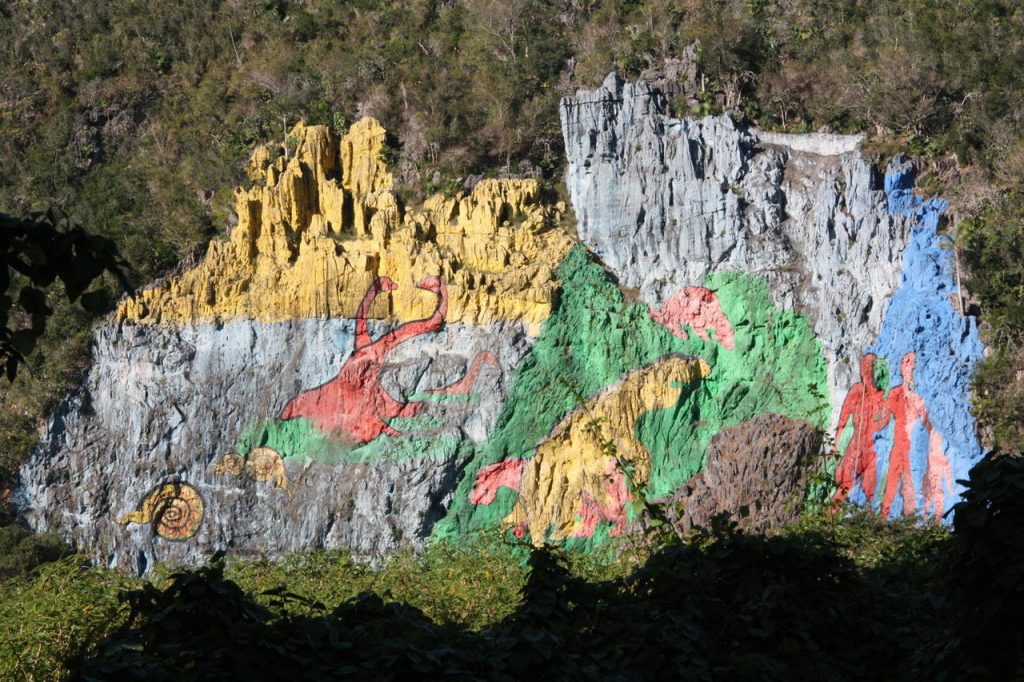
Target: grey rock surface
165 404
666 202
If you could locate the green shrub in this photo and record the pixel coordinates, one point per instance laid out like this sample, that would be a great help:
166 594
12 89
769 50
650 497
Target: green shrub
52 619
21 551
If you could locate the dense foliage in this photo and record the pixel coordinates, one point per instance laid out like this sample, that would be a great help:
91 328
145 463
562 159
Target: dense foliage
841 596
837 600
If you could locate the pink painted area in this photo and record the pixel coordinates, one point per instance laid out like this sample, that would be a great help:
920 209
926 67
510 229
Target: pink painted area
699 309
593 512
866 407
505 474
354 406
938 478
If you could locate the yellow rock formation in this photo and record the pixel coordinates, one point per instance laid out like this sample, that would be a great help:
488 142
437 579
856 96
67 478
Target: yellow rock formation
574 468
325 223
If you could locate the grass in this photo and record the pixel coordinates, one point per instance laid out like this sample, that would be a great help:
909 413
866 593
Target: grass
486 600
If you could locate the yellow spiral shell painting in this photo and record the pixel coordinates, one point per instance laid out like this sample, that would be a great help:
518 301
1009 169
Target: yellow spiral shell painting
174 510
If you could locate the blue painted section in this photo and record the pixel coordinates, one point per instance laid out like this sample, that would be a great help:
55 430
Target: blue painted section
921 318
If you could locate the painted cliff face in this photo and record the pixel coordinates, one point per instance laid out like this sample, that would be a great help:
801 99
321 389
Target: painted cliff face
343 372
670 204
907 442
318 379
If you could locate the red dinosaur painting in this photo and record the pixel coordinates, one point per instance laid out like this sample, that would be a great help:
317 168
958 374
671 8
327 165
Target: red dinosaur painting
354 406
504 474
698 308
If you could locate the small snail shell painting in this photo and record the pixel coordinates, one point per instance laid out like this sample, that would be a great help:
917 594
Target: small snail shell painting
174 510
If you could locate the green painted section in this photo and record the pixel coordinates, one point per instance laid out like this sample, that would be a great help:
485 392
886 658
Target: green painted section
299 439
880 372
594 336
776 366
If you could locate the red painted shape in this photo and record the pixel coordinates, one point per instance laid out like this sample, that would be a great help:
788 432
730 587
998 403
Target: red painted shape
505 474
907 408
465 384
699 308
867 407
354 406
593 512
871 413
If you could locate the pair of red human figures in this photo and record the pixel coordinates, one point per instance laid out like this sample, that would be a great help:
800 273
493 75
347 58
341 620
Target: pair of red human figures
870 410
354 406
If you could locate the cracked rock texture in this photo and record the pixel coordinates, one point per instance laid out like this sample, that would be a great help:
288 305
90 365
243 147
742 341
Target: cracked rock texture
344 371
164 404
665 202
759 464
200 369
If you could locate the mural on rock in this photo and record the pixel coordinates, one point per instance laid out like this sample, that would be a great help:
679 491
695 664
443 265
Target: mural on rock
577 477
346 371
699 309
907 441
319 378
669 204
603 371
354 407
260 464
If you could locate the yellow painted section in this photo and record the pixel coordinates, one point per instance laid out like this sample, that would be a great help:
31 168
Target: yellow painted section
574 459
320 226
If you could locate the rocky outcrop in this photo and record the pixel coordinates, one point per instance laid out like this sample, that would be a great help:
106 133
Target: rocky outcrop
321 227
667 202
756 472
412 323
671 204
346 371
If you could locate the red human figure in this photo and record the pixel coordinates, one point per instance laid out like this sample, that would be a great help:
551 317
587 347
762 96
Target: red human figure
699 308
354 406
907 408
865 405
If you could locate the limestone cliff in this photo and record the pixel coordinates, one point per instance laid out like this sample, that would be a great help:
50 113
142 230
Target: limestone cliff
667 202
347 371
410 321
670 204
324 224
